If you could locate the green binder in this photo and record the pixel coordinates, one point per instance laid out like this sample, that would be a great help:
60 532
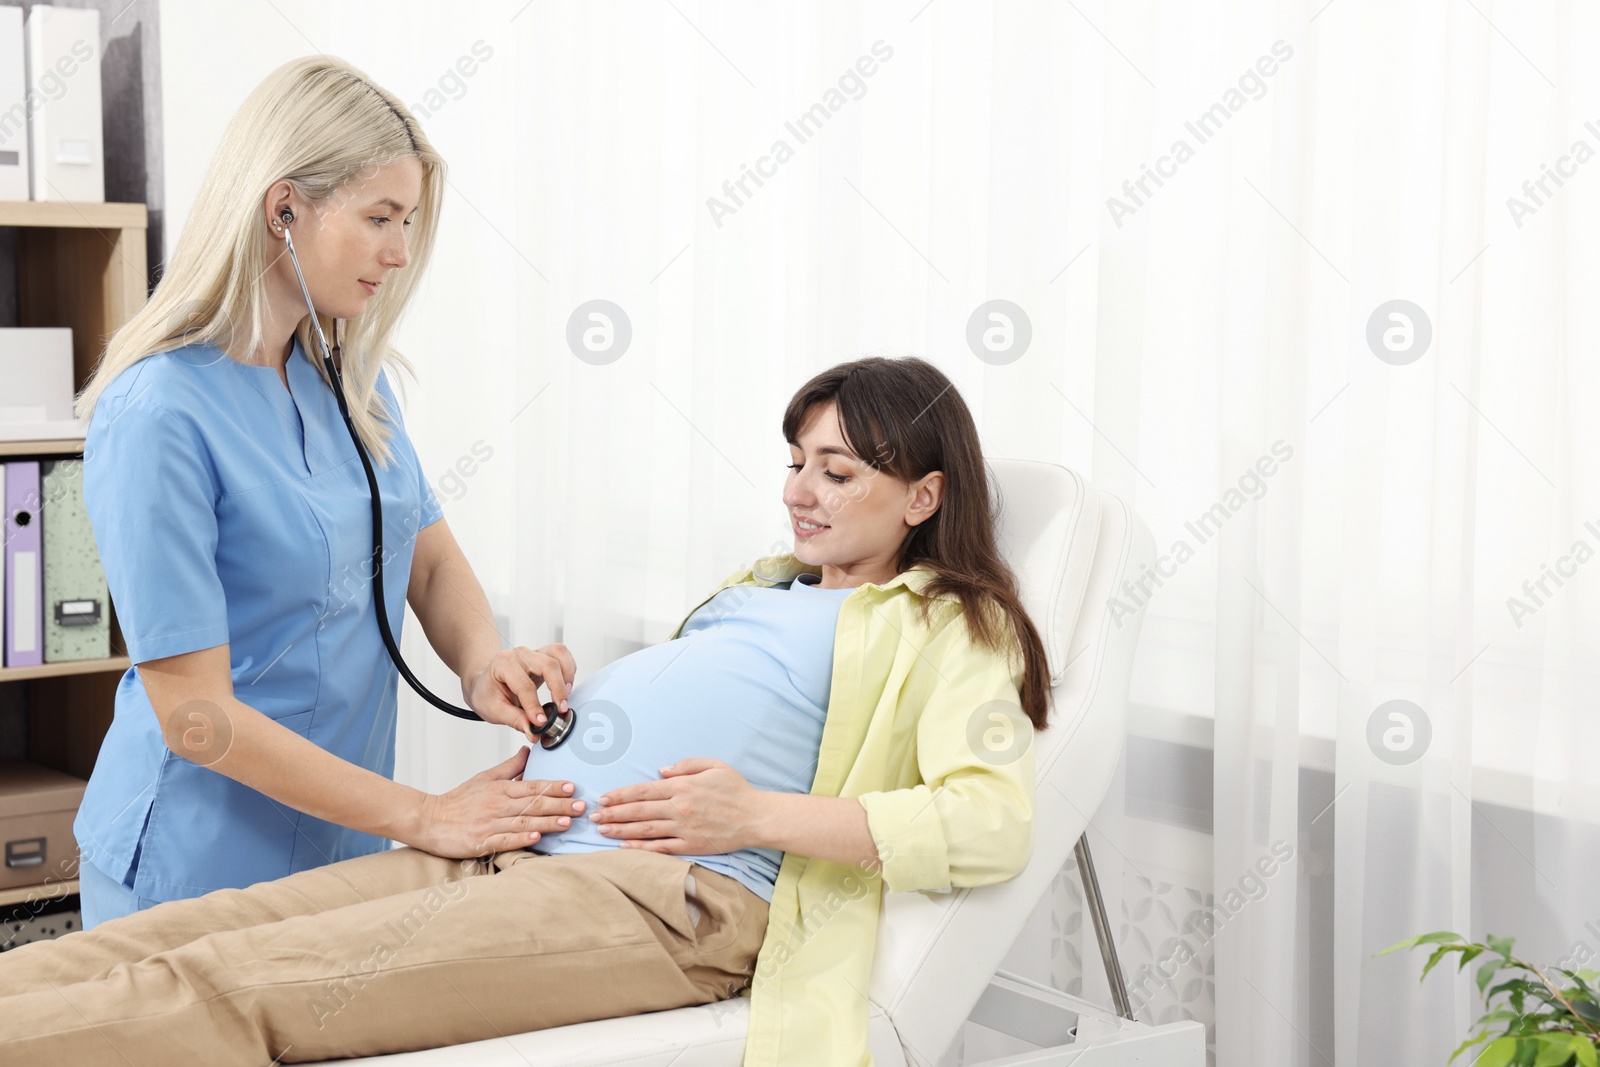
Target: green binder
77 609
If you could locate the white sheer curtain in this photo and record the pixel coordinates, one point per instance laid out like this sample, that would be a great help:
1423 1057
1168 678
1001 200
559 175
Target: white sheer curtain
1199 347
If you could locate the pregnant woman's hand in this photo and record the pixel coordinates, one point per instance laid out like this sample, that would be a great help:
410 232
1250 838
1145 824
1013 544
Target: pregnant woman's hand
701 807
506 690
494 811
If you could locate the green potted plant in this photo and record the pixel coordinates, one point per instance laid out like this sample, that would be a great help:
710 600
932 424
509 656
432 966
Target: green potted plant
1540 1023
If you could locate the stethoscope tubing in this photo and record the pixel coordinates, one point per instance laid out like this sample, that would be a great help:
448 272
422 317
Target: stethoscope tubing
557 727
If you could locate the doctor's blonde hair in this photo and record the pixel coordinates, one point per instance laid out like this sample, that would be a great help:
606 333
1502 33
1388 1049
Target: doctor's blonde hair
319 124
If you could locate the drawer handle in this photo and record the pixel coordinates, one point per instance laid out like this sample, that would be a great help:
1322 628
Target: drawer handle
77 612
25 852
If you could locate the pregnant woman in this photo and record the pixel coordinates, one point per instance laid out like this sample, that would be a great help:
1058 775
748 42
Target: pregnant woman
742 795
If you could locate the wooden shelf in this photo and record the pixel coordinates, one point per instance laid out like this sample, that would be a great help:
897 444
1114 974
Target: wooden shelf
61 670
25 894
62 447
81 266
61 214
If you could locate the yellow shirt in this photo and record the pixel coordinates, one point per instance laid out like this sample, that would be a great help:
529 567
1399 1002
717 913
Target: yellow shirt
925 728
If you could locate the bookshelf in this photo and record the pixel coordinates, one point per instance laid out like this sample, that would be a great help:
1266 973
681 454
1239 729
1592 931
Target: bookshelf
58 670
34 894
82 266
41 448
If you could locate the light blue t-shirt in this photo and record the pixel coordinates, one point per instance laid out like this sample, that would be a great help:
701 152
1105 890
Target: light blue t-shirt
747 683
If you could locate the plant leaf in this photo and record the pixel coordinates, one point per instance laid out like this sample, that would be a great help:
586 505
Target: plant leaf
1438 954
1468 1043
1421 939
1486 974
1498 1052
1576 976
1508 985
1555 1050
1501 945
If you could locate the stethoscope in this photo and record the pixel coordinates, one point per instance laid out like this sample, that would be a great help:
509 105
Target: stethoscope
557 727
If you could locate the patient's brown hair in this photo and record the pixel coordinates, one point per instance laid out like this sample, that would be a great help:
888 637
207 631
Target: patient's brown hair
904 417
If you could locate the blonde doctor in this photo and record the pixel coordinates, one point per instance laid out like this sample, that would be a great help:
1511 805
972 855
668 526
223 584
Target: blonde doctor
254 736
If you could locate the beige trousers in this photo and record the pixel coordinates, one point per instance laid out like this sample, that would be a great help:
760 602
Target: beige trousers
390 952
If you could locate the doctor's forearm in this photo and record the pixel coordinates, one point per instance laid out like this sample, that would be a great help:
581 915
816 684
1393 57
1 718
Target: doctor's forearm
272 759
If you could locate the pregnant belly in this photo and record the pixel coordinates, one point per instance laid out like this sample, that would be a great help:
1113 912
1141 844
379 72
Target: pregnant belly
631 722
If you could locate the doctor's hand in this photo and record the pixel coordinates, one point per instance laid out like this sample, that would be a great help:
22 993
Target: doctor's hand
700 807
493 811
506 689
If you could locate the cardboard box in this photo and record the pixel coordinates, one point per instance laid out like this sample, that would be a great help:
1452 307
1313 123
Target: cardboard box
37 806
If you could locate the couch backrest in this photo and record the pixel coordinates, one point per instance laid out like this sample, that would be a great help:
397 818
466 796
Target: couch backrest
1071 546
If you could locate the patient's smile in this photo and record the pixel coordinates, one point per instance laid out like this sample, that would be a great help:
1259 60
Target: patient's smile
806 528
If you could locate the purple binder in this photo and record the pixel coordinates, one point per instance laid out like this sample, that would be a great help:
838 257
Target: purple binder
24 567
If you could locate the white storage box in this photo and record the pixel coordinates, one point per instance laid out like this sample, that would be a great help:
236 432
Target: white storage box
13 108
65 142
36 366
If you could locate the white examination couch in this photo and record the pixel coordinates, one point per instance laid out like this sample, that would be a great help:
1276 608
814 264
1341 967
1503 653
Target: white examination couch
937 953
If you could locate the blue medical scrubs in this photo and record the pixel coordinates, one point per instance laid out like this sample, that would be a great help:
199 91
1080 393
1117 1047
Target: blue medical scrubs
228 509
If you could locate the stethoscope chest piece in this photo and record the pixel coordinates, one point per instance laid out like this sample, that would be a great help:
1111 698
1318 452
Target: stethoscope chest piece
557 726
